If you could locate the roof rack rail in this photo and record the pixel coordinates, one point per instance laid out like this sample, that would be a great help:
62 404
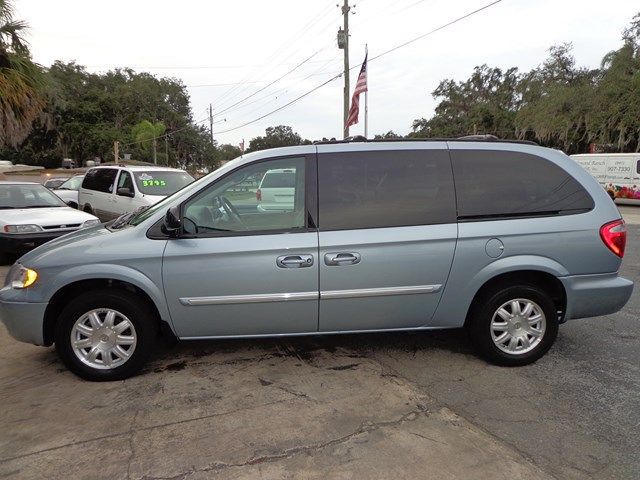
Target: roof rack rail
466 138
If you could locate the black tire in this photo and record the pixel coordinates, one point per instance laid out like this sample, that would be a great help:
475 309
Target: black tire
73 205
138 313
88 209
481 316
6 259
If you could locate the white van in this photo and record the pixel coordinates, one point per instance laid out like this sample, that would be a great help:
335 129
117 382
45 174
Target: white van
113 190
276 190
618 173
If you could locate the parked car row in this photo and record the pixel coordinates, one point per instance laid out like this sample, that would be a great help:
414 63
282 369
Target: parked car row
32 214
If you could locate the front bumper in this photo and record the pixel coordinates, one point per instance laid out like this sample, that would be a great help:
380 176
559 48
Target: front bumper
23 320
21 243
595 295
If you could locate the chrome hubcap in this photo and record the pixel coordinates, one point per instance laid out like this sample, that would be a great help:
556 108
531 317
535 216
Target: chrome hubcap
517 326
103 338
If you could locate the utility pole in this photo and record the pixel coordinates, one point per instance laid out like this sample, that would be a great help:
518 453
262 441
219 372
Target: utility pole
211 123
345 13
166 149
116 156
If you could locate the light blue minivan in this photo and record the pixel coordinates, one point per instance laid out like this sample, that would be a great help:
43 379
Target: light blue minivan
507 239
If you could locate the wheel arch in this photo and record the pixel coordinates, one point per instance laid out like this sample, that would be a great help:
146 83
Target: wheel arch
537 278
71 289
463 291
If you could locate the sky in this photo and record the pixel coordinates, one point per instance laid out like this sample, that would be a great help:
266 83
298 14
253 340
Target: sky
209 44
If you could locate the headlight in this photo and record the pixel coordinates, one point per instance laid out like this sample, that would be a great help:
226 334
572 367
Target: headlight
22 228
91 223
21 277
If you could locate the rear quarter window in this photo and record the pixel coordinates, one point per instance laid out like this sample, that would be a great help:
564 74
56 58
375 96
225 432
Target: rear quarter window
100 179
514 184
379 189
279 180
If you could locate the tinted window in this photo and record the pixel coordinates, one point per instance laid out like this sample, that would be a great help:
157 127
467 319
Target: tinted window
385 189
100 179
494 183
279 180
124 181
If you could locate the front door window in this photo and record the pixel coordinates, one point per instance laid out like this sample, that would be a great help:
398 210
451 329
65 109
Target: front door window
265 196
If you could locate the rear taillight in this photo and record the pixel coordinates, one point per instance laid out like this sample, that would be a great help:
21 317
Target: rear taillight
259 195
614 236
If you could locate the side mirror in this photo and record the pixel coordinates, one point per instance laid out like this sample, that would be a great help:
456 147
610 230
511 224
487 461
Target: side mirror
125 192
172 223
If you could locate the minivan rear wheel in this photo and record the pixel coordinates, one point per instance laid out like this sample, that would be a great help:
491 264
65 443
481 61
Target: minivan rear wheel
104 336
514 325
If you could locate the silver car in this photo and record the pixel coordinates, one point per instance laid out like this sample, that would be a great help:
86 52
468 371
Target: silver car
506 239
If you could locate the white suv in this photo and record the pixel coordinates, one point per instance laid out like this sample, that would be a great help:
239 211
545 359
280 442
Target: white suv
110 191
277 190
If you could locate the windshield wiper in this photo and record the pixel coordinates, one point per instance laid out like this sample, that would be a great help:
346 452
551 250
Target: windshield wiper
123 220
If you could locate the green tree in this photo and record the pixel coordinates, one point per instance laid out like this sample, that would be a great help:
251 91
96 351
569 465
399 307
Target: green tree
280 136
390 135
485 103
147 133
557 102
21 81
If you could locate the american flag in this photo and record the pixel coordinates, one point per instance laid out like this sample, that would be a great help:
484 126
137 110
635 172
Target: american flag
361 87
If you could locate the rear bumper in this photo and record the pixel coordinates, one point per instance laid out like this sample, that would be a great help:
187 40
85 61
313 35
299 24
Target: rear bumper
20 243
595 295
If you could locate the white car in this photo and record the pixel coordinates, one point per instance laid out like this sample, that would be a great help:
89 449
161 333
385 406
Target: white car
31 215
68 191
277 190
113 190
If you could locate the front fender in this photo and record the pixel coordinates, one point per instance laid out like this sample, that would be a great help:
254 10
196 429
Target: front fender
462 288
99 271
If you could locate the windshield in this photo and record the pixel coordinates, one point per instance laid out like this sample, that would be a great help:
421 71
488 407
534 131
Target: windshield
27 196
161 182
163 204
73 183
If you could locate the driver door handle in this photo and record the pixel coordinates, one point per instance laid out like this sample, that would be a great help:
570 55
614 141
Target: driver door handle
341 258
294 261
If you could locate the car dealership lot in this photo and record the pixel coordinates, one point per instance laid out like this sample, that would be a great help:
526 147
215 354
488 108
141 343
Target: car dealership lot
354 406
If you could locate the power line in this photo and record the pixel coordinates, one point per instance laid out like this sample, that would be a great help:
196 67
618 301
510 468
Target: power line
335 77
431 32
283 106
166 134
284 47
420 37
268 85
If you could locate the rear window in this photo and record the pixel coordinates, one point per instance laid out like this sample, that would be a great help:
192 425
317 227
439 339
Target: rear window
385 189
279 180
100 179
161 182
513 184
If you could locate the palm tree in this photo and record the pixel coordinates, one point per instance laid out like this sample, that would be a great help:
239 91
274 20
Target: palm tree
147 133
21 81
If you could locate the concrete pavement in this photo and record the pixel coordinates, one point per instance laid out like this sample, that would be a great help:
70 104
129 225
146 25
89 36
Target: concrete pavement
354 406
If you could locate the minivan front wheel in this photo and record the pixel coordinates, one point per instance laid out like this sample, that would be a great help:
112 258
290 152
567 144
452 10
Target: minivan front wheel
105 335
514 326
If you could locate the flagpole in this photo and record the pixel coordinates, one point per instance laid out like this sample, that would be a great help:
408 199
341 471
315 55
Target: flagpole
366 96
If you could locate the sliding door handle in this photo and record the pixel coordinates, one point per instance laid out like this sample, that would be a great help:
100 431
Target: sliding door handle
341 258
